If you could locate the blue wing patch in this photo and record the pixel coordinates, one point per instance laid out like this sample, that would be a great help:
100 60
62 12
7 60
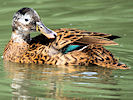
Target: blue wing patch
71 48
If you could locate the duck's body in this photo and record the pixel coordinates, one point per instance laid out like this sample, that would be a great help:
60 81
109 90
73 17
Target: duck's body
70 47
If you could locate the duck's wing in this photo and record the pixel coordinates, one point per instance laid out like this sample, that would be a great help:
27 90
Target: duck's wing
67 36
90 43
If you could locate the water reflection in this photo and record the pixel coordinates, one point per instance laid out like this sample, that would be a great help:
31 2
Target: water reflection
31 81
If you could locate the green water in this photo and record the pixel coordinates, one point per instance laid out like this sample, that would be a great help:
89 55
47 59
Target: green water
35 82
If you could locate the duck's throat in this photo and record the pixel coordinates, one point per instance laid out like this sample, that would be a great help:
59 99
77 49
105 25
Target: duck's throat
20 37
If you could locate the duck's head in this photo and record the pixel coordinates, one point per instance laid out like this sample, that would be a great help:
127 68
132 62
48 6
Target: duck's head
26 20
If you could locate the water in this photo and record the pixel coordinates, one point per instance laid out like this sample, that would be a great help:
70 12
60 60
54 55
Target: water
43 82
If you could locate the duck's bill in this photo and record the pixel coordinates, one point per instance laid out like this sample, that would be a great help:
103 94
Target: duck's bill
45 31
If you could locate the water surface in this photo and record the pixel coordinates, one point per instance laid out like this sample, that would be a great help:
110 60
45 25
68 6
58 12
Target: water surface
43 82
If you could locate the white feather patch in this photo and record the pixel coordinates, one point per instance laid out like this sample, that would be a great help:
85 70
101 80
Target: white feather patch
83 48
17 38
23 17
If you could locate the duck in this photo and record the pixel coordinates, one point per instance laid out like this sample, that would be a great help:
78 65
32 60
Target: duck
64 46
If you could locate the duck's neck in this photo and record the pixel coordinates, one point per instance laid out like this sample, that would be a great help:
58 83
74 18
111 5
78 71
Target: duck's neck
19 37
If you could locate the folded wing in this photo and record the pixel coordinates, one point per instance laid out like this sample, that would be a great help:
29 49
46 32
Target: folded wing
81 37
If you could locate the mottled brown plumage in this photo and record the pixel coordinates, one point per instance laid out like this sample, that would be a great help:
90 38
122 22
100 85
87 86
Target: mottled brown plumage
43 50
91 54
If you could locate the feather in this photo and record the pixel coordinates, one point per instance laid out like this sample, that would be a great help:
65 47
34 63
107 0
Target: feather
66 37
96 40
70 48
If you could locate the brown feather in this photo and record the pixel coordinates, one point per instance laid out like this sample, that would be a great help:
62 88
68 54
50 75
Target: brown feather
70 36
96 40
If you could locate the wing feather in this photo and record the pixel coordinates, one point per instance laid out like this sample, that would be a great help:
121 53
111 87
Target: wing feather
74 36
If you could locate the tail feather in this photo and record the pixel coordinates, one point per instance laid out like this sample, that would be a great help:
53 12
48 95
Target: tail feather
102 57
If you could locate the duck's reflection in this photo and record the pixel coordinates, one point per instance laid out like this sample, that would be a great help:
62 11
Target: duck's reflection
39 82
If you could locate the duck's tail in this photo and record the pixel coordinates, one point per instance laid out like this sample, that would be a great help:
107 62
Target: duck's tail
102 57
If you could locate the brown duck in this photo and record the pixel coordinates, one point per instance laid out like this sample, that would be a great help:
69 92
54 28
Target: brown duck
59 47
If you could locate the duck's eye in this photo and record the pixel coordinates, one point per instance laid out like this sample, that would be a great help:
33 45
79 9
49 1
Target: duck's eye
26 20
